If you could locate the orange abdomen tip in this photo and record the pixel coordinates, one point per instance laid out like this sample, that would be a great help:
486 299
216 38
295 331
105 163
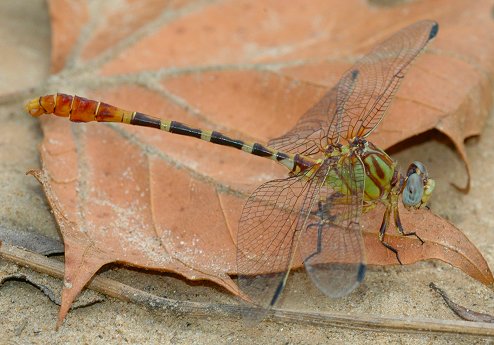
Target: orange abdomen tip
77 109
43 105
34 108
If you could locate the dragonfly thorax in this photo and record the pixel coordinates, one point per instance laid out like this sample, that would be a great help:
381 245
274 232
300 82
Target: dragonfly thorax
380 169
359 160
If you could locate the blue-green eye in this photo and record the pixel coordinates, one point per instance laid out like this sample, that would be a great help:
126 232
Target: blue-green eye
417 165
413 191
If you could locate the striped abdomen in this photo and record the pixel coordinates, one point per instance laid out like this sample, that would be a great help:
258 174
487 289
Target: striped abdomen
79 109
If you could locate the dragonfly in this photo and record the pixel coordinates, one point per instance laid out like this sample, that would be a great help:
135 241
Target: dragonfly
335 175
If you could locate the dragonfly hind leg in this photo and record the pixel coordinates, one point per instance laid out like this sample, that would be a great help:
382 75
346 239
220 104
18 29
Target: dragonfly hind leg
319 240
321 214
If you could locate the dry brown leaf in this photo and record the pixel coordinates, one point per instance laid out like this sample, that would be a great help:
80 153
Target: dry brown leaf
145 198
442 240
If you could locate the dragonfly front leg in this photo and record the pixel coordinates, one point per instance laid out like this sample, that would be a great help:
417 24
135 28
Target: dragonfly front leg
399 226
402 231
382 231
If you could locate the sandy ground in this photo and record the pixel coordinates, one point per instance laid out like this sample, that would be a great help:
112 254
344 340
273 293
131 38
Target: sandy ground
27 316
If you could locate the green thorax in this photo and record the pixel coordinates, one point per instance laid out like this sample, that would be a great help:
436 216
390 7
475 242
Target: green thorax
379 170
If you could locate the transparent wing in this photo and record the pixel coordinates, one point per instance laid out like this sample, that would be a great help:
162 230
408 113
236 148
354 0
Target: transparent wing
368 95
332 244
269 229
357 104
308 136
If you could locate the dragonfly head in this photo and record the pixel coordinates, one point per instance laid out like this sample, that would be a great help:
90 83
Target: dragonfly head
418 186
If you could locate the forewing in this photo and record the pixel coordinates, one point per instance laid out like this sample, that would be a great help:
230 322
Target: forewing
358 102
332 245
269 230
368 87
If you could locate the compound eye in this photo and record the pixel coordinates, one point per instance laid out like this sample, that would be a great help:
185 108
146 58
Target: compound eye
416 165
413 191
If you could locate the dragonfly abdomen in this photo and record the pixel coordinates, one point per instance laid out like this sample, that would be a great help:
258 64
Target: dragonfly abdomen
221 139
79 109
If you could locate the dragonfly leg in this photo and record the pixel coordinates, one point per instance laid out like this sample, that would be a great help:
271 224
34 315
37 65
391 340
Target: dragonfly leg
323 213
402 231
382 231
319 240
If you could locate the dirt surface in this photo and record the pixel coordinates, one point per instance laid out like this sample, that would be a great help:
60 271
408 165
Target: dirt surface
27 316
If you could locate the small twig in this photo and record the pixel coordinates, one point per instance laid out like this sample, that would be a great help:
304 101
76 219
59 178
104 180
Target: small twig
32 241
461 311
127 293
